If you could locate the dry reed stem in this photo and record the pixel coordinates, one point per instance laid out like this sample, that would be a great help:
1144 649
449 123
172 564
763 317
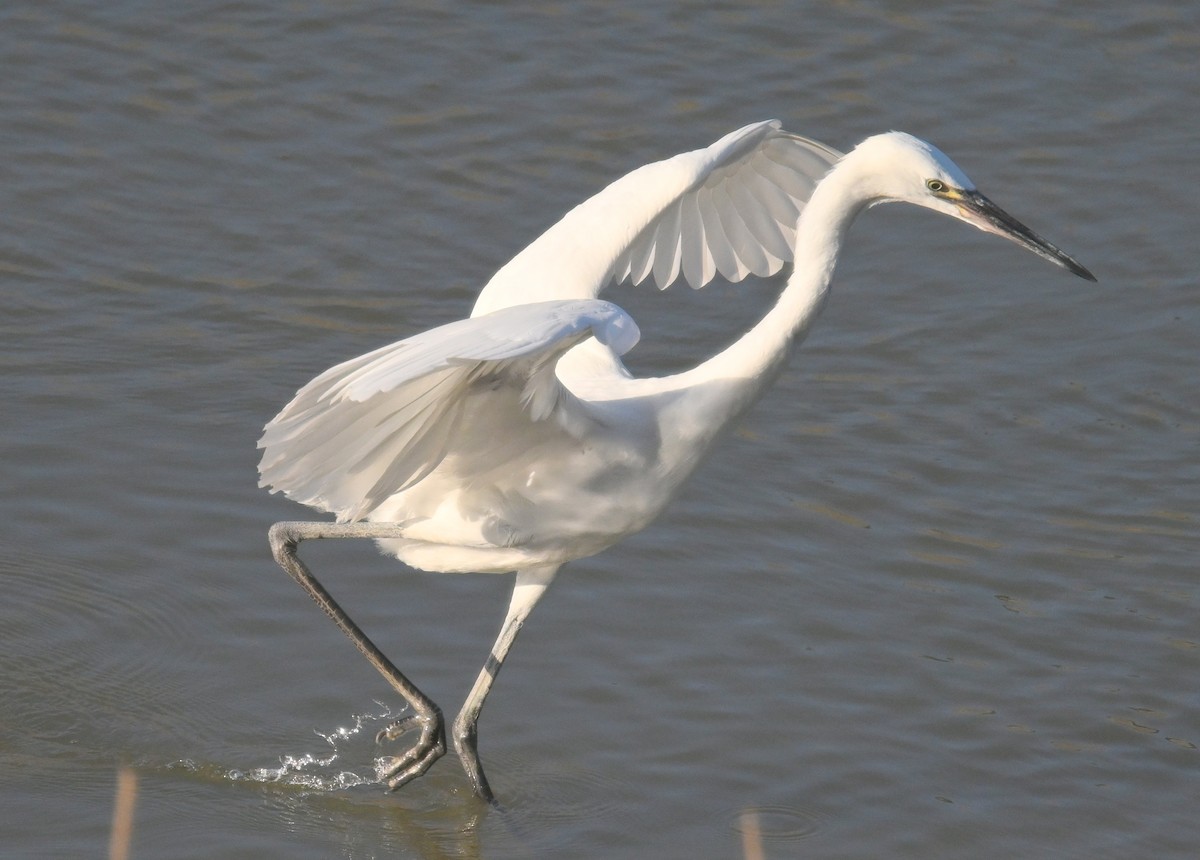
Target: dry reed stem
752 847
122 824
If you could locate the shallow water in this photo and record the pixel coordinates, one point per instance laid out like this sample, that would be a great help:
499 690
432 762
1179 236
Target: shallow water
935 598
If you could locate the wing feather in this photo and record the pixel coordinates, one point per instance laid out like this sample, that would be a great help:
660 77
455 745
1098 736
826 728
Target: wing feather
718 242
664 219
691 238
668 257
775 201
376 425
765 227
749 250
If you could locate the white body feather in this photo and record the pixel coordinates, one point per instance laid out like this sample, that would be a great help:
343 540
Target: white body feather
494 452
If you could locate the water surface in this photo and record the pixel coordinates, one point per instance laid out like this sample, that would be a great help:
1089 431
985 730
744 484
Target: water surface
935 598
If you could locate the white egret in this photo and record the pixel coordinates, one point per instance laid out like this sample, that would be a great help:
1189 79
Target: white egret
516 440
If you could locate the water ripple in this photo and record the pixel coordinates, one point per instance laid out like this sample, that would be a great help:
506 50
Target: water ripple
66 687
777 823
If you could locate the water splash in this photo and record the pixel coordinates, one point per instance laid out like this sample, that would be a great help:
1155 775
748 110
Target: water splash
322 772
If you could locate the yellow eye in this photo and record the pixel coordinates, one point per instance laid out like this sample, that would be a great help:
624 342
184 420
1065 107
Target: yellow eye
936 186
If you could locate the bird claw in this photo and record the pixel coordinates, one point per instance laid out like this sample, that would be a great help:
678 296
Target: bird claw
397 728
430 746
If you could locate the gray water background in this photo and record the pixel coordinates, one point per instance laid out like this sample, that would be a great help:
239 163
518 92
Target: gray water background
936 598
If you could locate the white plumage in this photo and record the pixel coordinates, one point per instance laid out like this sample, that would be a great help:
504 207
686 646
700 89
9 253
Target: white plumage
478 438
517 440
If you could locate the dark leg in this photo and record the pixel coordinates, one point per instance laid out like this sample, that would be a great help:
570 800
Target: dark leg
426 716
530 586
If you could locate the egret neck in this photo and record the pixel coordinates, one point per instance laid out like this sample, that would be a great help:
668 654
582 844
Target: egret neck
729 383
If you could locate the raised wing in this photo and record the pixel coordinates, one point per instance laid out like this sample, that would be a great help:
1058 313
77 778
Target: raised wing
377 424
729 208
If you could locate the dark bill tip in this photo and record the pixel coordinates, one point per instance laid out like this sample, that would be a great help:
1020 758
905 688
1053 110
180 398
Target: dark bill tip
986 215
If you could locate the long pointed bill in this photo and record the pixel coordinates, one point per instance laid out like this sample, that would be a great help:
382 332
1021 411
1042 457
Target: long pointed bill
987 216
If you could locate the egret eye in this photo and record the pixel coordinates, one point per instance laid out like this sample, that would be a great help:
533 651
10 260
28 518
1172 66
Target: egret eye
935 185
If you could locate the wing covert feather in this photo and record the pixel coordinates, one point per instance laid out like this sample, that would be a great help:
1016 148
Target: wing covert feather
672 217
377 424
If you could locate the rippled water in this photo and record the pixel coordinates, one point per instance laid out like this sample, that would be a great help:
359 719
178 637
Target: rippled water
936 598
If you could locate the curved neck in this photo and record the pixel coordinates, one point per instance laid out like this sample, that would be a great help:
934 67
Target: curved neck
739 374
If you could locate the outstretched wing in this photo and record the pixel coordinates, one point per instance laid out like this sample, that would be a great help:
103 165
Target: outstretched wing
377 424
729 208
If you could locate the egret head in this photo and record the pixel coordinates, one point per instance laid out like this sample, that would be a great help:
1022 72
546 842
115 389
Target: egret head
908 169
